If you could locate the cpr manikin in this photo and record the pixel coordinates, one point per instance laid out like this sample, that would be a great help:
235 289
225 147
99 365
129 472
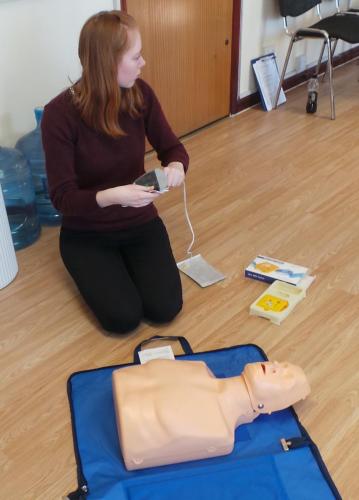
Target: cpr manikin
172 411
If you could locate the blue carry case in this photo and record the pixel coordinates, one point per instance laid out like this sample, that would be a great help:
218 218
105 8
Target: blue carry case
273 457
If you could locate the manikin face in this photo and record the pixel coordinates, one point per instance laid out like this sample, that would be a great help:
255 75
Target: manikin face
273 386
129 68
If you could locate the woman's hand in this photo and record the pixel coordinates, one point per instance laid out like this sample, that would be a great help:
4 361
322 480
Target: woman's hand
131 195
174 173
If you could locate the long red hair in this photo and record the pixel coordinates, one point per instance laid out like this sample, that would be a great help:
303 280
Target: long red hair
103 41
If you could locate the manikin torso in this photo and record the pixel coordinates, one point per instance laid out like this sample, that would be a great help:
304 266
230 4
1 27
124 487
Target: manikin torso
173 411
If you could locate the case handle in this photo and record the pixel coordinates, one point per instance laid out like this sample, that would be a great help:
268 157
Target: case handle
187 349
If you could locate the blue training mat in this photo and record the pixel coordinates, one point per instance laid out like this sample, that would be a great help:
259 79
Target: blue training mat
258 467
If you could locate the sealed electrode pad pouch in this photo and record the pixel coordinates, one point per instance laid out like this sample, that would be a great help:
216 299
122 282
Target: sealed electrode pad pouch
200 271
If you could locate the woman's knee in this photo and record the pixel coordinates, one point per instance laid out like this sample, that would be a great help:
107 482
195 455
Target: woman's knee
164 312
119 323
117 319
115 313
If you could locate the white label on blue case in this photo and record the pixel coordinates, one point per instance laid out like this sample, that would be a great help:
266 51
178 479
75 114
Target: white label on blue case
164 352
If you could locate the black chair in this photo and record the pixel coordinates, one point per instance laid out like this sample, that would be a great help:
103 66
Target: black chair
339 26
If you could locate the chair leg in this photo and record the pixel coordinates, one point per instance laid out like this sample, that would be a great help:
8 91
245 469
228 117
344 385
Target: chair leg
284 71
330 69
320 60
332 52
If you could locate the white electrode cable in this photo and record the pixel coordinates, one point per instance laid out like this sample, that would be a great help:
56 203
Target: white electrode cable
197 267
188 219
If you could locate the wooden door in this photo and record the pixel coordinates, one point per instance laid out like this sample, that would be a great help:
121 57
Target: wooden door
187 48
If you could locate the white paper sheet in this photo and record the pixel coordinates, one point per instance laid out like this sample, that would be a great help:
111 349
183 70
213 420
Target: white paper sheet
266 72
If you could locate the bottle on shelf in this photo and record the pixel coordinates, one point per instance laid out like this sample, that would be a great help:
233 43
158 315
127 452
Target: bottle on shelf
19 195
31 146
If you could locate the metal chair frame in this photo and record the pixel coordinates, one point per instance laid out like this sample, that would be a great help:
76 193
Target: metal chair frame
330 43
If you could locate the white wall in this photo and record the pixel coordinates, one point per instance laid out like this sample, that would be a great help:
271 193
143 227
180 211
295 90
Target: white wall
38 51
38 54
262 31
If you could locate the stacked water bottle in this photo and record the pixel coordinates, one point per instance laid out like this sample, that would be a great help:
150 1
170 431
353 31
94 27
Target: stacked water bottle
24 185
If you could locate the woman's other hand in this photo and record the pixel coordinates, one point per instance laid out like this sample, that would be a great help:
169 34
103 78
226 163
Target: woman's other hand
174 173
131 195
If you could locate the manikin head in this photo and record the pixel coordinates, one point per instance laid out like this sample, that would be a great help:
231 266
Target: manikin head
273 386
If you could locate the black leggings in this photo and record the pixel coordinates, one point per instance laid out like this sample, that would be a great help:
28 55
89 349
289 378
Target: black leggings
126 275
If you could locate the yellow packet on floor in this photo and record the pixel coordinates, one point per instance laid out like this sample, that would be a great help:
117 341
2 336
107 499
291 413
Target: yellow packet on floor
277 301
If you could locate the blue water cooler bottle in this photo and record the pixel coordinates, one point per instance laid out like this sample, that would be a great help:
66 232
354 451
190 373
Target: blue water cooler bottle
19 195
31 146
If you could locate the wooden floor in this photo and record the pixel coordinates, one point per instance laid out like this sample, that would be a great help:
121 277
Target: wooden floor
284 184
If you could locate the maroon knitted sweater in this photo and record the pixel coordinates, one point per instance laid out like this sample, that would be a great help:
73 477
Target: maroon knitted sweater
81 161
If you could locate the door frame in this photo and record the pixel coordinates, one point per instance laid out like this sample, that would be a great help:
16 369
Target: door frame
236 32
